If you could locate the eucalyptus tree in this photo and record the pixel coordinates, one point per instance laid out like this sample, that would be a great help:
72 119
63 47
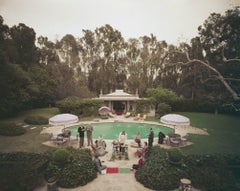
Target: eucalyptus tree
220 57
23 38
132 56
68 51
145 56
103 50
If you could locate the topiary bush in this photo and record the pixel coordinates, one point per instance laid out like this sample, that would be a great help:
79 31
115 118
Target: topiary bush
206 172
21 171
11 129
175 155
61 156
157 173
36 120
79 171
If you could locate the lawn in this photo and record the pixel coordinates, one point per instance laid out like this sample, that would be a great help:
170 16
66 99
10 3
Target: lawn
32 140
224 133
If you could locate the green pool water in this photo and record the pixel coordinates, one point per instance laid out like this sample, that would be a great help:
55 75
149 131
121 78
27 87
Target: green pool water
111 130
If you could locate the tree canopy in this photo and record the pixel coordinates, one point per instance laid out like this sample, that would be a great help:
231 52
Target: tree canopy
35 72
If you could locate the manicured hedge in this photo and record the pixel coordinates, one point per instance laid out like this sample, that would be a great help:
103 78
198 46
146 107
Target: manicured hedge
78 106
36 120
207 172
78 169
21 171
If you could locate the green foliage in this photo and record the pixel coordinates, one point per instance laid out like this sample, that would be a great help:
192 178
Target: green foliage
143 106
61 156
175 155
163 109
207 172
78 106
11 129
157 173
210 172
78 172
36 120
21 171
161 95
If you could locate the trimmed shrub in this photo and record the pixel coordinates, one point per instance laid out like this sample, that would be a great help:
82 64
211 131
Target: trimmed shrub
163 109
36 120
157 173
79 171
11 129
206 172
61 156
21 171
143 106
78 106
175 155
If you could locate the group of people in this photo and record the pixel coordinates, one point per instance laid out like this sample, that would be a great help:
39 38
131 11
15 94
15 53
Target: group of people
142 151
81 132
99 146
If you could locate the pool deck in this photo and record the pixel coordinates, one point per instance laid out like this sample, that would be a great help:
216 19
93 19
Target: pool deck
116 182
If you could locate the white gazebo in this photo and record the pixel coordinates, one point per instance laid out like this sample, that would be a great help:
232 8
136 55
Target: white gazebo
119 101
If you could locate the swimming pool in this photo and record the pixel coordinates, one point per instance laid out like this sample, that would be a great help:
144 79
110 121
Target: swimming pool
111 130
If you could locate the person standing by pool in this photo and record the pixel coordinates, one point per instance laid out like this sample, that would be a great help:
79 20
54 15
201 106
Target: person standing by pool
150 137
161 137
122 139
89 134
137 139
81 130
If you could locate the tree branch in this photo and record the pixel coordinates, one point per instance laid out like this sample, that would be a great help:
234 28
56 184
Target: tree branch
228 60
219 75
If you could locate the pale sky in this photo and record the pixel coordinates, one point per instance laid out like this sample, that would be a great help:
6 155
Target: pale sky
170 20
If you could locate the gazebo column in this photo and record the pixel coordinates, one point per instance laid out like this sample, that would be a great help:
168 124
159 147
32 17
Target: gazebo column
127 107
111 105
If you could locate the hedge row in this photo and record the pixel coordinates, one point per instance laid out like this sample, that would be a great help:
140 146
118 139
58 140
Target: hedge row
22 171
188 105
78 106
163 169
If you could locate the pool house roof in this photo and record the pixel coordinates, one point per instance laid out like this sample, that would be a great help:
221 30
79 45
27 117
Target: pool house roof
118 95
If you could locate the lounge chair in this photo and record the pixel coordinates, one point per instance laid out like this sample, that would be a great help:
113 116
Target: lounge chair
137 117
128 114
184 139
144 117
175 141
61 140
111 114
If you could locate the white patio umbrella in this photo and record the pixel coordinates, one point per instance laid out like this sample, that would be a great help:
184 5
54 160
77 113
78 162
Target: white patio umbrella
63 119
175 120
104 110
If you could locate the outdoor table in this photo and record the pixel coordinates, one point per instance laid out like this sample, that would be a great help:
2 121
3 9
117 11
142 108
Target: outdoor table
185 184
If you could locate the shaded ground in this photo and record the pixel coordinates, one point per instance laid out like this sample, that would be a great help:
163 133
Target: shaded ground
31 141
